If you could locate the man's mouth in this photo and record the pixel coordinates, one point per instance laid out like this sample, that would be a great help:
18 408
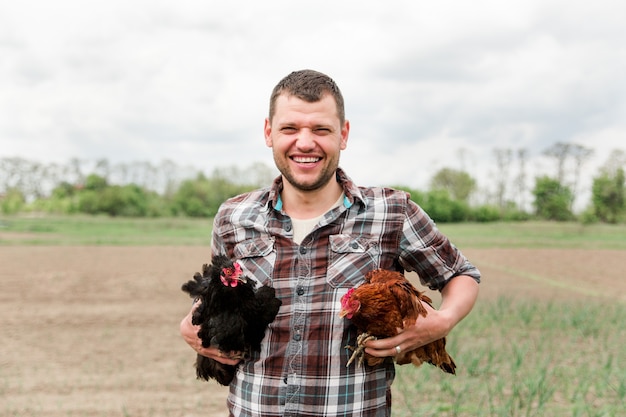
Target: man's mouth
305 159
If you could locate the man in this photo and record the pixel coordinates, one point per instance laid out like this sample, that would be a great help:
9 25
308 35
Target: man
313 235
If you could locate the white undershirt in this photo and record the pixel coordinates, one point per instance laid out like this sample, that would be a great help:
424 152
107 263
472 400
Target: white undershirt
302 227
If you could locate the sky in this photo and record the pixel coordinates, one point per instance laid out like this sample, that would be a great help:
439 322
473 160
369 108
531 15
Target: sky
427 84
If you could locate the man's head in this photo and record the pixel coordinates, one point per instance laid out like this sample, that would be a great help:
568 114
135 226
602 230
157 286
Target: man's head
307 130
310 86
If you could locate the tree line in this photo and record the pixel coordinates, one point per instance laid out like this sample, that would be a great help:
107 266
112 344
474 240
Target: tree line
137 189
144 189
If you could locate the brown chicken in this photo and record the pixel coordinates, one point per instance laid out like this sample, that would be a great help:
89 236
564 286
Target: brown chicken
386 302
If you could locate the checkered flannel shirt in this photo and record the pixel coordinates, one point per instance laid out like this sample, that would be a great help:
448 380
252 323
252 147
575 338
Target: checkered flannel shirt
301 370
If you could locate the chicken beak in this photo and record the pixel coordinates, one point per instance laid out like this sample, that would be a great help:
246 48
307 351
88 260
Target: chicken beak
231 281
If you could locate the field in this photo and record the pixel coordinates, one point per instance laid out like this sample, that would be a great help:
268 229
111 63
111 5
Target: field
89 313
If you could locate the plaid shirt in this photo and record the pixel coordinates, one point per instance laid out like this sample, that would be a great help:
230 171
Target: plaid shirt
301 370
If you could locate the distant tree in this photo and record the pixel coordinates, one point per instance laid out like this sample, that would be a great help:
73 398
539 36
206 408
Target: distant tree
12 201
559 151
63 190
78 185
88 202
74 171
168 171
13 172
444 209
615 161
458 184
62 200
261 175
95 182
202 196
520 180
578 155
439 205
103 168
128 200
31 178
504 157
552 199
608 195
51 176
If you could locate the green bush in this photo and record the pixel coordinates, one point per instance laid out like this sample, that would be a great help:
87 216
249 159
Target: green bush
608 197
485 214
95 183
89 202
443 209
54 205
12 202
203 196
552 199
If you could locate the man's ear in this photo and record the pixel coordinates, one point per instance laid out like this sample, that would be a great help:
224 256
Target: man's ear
267 132
345 132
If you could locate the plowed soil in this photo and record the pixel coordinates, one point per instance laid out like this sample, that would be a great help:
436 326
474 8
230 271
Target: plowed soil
93 331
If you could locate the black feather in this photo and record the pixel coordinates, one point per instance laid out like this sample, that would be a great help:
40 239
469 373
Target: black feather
231 318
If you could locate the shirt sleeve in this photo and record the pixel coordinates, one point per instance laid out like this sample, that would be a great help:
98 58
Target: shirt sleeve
218 246
429 253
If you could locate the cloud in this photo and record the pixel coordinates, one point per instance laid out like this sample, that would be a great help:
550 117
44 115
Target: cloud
427 84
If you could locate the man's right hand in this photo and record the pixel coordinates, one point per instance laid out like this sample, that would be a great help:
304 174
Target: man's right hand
189 332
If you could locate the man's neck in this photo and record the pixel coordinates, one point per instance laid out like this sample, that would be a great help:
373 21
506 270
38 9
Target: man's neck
301 204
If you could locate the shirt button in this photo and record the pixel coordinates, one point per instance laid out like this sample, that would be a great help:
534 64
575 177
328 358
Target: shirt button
300 291
297 337
302 250
288 227
354 245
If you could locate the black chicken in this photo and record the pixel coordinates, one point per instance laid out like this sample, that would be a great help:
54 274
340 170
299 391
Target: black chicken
232 315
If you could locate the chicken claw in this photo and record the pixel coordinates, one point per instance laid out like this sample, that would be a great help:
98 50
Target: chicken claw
359 350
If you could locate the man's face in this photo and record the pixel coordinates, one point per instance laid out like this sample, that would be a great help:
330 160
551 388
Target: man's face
306 140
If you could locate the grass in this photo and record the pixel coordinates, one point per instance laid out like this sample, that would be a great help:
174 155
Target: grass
536 234
102 230
523 358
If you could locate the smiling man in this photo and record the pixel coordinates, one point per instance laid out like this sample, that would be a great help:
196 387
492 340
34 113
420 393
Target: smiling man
313 235
306 139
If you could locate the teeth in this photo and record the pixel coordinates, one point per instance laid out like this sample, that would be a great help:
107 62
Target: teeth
306 159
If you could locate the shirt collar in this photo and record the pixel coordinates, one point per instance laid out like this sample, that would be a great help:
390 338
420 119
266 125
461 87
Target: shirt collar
350 190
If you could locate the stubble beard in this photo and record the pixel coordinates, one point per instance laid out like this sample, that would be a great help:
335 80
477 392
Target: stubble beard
325 176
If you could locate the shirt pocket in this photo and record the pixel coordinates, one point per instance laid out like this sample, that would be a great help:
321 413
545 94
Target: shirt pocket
350 258
257 257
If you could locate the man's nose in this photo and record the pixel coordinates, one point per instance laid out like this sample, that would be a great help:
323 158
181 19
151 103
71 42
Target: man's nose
306 140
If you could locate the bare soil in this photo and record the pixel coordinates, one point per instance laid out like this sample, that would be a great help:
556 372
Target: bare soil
93 331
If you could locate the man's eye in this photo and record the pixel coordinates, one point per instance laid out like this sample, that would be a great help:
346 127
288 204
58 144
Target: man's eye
288 129
322 131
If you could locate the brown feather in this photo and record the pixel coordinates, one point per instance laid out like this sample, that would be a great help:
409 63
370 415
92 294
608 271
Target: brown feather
388 301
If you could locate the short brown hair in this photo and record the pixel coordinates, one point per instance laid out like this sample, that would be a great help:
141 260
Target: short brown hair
310 86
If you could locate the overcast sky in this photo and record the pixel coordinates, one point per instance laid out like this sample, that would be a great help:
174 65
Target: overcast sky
428 84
